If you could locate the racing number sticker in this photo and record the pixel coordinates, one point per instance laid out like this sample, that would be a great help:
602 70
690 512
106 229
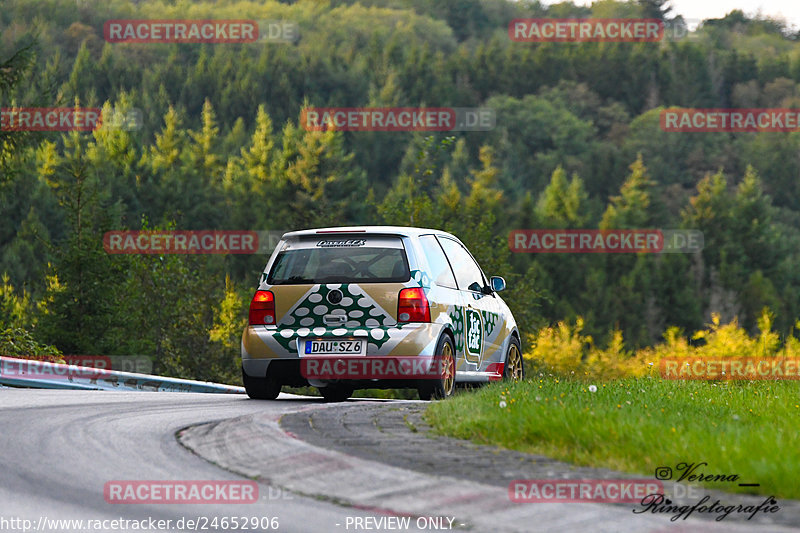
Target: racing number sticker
473 331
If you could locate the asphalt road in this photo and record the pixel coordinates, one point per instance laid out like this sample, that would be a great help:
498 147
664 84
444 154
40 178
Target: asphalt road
60 449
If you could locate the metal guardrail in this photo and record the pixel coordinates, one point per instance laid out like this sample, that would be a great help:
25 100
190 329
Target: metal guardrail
43 375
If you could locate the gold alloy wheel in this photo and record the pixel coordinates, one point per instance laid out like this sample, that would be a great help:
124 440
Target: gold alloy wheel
448 372
514 363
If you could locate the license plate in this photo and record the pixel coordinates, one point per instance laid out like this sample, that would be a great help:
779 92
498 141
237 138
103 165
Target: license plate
334 347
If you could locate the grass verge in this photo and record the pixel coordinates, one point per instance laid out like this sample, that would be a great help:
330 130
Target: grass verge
749 429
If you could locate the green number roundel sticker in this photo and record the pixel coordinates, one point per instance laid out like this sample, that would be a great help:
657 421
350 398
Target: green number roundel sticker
473 331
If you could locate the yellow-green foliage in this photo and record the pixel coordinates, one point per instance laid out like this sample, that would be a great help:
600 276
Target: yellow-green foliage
563 350
791 348
15 309
730 340
612 361
560 349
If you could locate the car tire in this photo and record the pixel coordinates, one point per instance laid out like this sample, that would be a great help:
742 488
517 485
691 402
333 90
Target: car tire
514 367
444 386
266 388
336 393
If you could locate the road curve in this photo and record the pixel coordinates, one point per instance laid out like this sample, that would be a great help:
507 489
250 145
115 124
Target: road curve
59 448
317 472
379 455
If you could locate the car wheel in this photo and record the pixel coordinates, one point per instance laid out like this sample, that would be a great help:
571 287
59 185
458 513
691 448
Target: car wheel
514 369
336 393
266 388
444 386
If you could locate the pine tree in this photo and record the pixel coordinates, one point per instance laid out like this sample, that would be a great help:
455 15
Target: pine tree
169 144
82 310
563 204
258 159
630 208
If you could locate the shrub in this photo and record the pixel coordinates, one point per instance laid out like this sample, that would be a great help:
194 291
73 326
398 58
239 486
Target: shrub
563 351
17 342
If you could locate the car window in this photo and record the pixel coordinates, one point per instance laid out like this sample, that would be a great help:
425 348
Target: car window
466 269
340 261
441 272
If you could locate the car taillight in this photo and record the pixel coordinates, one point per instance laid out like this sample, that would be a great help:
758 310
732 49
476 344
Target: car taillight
262 308
412 306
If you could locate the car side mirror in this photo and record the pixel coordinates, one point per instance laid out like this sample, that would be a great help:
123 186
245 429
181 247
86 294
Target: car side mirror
498 283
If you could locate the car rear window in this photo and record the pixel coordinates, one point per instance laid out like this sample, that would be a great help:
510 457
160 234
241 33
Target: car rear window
340 259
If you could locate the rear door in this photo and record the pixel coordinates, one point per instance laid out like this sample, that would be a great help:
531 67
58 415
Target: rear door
480 311
447 298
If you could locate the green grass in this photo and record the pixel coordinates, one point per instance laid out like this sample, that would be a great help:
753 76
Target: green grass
635 425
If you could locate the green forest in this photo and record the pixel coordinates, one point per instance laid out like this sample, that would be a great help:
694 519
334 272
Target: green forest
577 144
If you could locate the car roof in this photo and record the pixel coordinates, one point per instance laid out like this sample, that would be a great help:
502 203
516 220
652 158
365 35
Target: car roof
379 230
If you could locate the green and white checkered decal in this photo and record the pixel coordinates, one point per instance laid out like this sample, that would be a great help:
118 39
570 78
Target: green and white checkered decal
305 318
457 318
490 321
421 278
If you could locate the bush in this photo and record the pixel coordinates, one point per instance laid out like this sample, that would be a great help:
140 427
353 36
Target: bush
17 342
562 350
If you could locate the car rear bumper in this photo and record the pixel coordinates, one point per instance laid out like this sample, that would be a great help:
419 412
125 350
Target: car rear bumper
392 372
270 342
405 355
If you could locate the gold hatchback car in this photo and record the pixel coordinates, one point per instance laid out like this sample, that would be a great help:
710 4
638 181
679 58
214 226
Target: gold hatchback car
376 307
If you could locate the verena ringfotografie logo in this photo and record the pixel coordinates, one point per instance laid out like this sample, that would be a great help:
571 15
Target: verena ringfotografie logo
583 490
67 119
587 241
180 492
599 30
363 367
733 368
662 504
199 31
398 119
190 242
730 120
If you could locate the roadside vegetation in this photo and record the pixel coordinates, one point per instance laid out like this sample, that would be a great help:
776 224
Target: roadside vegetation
611 408
577 144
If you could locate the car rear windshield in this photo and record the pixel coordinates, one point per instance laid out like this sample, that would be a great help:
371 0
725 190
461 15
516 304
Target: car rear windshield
340 259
